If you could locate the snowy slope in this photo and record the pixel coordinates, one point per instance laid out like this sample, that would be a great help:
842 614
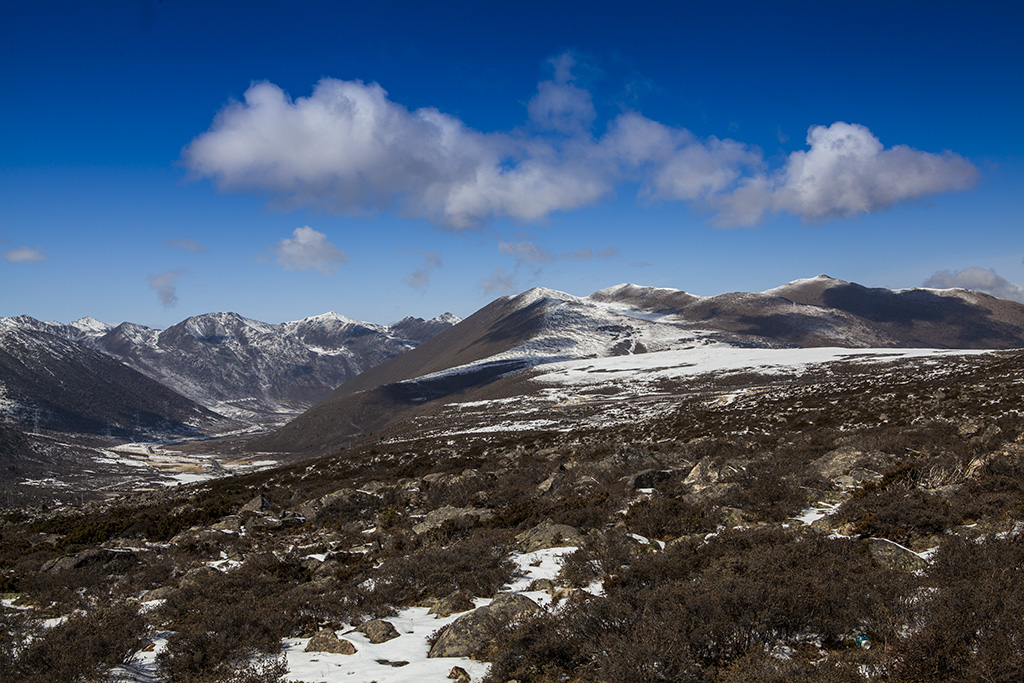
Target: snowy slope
238 366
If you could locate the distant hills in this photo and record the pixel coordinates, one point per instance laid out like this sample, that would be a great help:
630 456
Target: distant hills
242 367
354 378
541 326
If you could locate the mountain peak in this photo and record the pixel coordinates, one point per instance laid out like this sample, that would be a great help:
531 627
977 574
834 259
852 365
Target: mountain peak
90 324
532 296
330 317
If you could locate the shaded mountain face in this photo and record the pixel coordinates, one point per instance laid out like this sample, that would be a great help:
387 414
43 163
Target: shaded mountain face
50 383
542 326
239 366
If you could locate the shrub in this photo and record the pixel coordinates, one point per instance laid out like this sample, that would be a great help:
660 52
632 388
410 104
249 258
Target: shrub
83 647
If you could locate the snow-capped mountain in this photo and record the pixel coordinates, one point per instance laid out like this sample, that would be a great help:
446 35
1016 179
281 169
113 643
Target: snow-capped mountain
235 365
48 382
543 326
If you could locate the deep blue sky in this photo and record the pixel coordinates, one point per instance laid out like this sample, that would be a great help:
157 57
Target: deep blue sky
668 145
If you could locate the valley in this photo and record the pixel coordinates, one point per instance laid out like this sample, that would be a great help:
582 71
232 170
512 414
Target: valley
561 488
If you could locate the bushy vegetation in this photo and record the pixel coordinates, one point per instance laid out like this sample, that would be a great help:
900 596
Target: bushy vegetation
727 586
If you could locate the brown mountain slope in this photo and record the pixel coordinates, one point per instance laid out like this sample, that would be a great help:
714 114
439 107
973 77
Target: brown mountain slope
806 313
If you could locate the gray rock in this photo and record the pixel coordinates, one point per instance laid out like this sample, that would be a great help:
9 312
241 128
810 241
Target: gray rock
846 461
648 479
231 524
895 556
327 641
437 518
107 561
257 504
458 601
549 535
473 634
378 631
161 593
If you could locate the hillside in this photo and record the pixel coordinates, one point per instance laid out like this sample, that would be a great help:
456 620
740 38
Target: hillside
514 334
758 514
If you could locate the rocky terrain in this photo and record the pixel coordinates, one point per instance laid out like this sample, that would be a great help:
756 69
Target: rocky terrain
515 336
87 409
828 520
647 499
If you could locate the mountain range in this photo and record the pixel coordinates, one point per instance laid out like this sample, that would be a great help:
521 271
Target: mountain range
241 367
514 334
353 378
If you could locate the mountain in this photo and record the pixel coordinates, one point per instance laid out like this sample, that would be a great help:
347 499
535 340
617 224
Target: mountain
51 383
485 354
235 365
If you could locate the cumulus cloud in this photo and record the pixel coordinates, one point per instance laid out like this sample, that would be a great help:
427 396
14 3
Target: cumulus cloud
979 279
165 286
308 249
420 277
24 255
187 244
846 171
559 104
349 148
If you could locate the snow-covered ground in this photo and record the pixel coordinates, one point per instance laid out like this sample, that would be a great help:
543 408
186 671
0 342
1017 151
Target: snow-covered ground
400 660
715 358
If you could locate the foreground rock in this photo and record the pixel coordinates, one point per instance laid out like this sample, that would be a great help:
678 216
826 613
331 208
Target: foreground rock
327 641
895 556
549 535
473 634
378 631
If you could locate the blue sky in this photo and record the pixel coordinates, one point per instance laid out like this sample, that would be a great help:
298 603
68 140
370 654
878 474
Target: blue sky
165 159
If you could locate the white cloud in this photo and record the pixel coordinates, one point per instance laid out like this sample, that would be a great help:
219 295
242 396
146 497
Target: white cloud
979 279
24 255
559 105
308 249
500 282
846 171
165 286
349 148
186 243
420 277
527 252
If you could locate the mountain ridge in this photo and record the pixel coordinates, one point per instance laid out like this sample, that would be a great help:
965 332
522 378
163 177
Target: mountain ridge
542 326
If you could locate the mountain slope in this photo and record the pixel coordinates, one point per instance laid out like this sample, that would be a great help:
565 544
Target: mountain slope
240 366
47 382
543 326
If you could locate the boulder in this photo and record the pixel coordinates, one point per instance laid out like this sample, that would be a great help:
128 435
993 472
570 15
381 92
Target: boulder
333 502
549 535
459 675
458 601
705 472
161 593
327 641
894 555
648 479
197 576
378 631
102 559
230 524
435 519
257 504
851 462
473 634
